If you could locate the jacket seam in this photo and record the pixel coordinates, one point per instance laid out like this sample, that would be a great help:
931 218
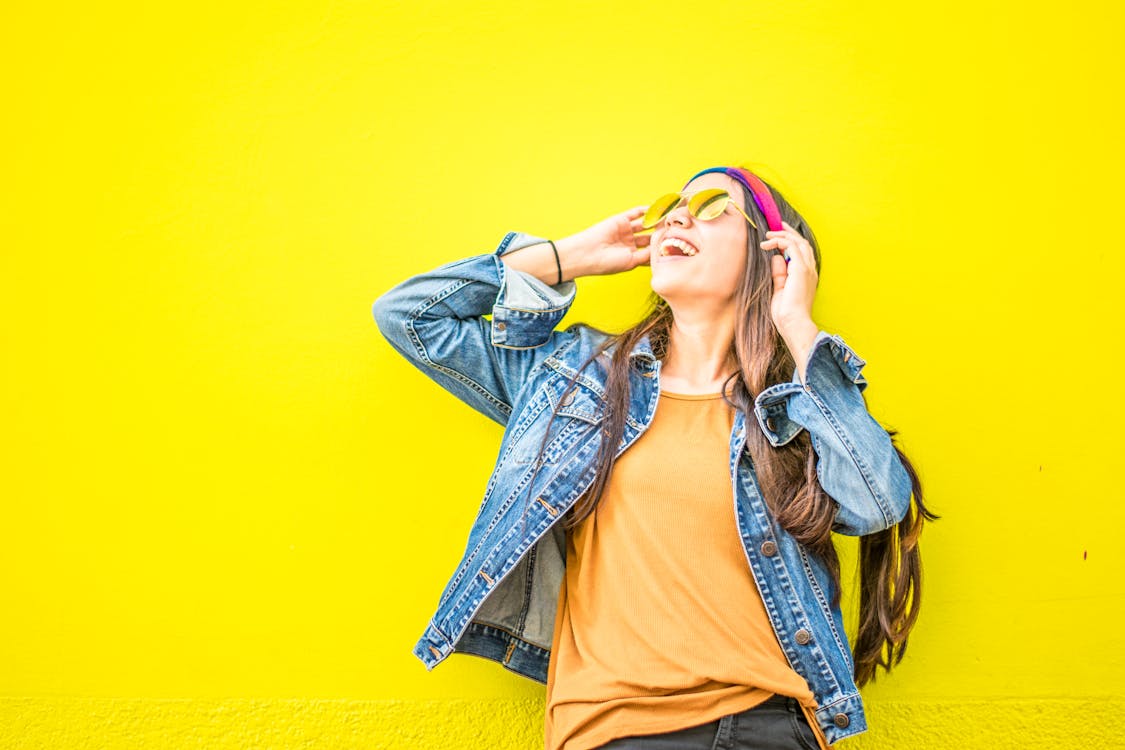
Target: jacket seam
821 598
529 577
781 572
416 313
533 310
850 450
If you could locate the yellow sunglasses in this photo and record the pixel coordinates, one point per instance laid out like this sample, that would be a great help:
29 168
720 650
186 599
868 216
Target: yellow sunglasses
704 205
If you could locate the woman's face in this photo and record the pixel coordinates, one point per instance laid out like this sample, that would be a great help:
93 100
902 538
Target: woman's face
713 273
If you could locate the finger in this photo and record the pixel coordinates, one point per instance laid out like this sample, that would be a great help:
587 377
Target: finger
781 245
803 248
642 258
637 211
779 272
796 246
637 221
789 227
786 229
799 238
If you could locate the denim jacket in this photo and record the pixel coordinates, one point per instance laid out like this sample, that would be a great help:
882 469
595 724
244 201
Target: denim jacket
501 601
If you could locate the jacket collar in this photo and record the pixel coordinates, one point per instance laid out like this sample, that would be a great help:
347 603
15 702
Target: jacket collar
641 354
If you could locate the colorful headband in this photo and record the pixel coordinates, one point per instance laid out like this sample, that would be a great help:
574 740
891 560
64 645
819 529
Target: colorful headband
756 188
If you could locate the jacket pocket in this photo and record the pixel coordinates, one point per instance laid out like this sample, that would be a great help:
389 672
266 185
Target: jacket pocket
579 410
582 403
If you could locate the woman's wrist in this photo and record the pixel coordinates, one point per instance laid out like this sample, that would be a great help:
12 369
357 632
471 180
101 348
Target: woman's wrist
540 261
575 256
537 260
799 335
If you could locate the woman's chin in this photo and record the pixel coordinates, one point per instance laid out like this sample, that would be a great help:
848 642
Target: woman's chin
668 287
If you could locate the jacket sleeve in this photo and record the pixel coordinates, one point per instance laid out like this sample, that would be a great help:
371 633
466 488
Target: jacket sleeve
436 320
856 463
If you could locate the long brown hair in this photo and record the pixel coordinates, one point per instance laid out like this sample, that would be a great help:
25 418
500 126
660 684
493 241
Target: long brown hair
890 560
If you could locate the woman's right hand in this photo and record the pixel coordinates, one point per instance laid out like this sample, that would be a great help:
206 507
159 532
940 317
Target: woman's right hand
608 247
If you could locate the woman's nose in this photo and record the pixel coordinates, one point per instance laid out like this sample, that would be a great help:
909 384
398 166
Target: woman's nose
678 215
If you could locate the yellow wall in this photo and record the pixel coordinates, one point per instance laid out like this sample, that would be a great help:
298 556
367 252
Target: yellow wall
221 526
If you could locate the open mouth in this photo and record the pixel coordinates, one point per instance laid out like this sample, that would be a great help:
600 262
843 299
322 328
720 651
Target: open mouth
674 246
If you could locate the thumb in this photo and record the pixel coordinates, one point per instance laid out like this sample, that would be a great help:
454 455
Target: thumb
779 271
641 257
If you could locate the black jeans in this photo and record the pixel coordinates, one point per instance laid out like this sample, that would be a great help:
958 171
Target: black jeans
777 724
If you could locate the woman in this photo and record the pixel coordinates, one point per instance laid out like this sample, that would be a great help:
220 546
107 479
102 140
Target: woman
654 543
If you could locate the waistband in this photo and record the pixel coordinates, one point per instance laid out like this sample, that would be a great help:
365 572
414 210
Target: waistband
776 701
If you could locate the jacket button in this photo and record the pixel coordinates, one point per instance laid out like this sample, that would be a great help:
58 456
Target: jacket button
500 325
568 399
770 424
803 636
841 720
769 549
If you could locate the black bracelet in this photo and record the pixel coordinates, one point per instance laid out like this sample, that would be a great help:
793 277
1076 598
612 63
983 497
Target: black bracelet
557 264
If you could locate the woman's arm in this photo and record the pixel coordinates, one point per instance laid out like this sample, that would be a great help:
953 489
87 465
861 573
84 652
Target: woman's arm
856 463
436 319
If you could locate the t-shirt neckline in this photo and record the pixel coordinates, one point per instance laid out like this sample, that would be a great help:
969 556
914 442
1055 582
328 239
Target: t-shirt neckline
691 396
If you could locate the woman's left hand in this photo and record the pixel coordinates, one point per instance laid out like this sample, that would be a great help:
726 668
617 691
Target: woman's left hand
794 283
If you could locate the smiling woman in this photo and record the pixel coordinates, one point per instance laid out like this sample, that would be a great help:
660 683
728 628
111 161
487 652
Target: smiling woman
657 604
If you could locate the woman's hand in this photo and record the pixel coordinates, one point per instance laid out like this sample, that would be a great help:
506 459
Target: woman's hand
794 282
794 286
610 246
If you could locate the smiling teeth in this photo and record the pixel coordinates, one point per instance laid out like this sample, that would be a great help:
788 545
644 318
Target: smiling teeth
688 249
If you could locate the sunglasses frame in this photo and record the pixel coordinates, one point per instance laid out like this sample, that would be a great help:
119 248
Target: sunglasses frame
696 207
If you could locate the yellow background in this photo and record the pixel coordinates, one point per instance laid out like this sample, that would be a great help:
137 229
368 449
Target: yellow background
222 523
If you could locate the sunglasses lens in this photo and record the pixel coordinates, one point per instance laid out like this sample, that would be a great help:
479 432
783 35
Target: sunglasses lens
709 204
660 208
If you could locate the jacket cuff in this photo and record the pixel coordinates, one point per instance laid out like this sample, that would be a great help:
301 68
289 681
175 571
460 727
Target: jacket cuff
527 309
831 364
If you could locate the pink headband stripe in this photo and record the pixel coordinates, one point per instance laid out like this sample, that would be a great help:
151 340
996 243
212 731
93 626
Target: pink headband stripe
757 189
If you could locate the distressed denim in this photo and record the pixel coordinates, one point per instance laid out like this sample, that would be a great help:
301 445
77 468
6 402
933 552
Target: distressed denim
500 602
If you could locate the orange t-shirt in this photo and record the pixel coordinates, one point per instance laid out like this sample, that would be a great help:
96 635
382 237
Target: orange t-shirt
660 624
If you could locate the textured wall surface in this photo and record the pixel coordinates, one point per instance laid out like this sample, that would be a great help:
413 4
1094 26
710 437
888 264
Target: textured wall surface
228 507
84 724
